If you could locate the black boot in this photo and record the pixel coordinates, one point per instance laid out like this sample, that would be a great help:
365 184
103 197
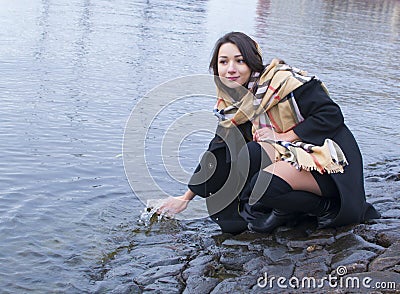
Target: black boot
326 212
276 219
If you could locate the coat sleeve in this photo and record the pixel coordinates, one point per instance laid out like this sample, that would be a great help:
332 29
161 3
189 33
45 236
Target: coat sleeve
322 117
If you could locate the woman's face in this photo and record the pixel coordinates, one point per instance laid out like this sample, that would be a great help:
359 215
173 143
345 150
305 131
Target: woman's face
231 66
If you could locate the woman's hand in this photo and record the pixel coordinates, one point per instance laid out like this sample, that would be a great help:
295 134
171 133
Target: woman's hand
174 205
268 133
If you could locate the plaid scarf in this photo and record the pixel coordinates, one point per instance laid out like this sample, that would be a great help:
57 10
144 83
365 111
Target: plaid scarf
326 158
270 103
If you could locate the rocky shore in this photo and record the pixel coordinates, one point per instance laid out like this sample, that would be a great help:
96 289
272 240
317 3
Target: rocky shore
172 256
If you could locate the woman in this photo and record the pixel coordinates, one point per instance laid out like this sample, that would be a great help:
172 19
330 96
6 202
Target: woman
281 148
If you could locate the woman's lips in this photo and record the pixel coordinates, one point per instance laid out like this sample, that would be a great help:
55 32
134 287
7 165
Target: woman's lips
232 78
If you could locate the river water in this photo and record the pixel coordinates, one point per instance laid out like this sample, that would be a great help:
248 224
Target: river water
72 71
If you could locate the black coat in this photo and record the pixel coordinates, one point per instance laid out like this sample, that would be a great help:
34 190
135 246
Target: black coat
322 119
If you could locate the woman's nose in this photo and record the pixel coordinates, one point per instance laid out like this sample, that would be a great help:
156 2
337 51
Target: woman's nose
231 67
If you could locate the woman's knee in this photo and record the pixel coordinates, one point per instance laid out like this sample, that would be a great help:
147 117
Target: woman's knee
264 186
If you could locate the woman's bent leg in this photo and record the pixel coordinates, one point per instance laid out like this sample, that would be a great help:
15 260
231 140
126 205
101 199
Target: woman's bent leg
272 192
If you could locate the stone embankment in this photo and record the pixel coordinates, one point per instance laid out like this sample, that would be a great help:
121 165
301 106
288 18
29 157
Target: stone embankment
194 257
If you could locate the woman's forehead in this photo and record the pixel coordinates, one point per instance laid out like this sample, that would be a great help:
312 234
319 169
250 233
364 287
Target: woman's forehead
228 49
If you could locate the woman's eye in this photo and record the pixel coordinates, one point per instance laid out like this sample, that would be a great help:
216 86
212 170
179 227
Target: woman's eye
223 62
241 61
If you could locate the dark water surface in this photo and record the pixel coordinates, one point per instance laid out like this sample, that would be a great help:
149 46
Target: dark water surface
70 73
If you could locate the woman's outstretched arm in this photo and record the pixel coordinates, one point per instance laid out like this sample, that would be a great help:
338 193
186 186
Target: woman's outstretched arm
177 204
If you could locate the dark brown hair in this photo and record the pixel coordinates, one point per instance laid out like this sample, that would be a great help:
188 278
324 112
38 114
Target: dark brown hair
246 45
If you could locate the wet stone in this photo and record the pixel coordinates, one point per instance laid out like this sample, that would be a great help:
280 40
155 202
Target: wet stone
128 270
352 242
396 268
235 243
153 274
235 285
201 259
383 232
313 265
283 235
366 232
391 213
220 238
253 237
168 261
205 269
262 289
104 286
394 177
127 288
321 256
235 260
311 269
385 207
200 285
262 243
148 255
388 260
356 268
349 257
388 238
316 241
256 264
378 200
276 253
165 285
282 269
343 231
208 242
323 233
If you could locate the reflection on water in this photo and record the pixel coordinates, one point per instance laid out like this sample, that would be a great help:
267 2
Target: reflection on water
70 73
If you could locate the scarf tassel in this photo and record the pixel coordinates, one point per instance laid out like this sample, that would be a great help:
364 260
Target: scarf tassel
309 157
